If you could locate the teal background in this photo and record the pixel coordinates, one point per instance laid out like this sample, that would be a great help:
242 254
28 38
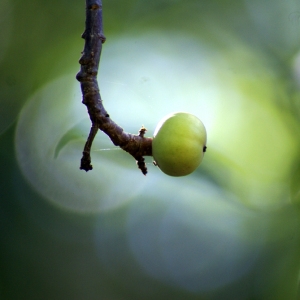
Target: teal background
228 231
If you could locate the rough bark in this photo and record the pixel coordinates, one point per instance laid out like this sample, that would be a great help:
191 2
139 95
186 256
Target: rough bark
135 144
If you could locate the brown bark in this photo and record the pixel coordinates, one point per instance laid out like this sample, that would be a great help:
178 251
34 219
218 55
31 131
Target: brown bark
136 145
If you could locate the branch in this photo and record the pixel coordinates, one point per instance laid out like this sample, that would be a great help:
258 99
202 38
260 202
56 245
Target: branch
136 145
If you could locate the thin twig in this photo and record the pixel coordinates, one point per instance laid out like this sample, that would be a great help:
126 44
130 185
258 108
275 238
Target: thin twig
136 145
86 154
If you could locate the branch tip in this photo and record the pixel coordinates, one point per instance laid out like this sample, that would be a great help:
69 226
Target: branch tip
86 162
141 164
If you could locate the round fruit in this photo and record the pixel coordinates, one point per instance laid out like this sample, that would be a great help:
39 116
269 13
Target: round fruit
179 144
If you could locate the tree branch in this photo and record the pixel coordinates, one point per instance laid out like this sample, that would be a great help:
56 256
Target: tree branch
136 145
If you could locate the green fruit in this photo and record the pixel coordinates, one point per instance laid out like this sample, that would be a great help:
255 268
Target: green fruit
179 144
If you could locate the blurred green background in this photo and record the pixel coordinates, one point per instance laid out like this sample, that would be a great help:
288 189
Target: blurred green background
228 231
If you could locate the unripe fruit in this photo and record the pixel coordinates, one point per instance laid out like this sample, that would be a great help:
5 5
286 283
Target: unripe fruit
179 144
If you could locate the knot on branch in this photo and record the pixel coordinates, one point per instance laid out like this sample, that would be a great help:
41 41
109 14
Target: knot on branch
142 131
102 38
94 6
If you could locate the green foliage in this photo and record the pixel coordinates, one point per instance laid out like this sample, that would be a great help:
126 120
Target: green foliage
230 230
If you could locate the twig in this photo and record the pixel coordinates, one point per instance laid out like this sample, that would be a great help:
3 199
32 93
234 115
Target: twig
136 145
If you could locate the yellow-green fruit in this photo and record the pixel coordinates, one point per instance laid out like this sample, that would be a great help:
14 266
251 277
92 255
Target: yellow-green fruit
179 144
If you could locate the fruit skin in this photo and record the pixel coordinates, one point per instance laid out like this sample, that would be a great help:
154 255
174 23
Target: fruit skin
179 144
